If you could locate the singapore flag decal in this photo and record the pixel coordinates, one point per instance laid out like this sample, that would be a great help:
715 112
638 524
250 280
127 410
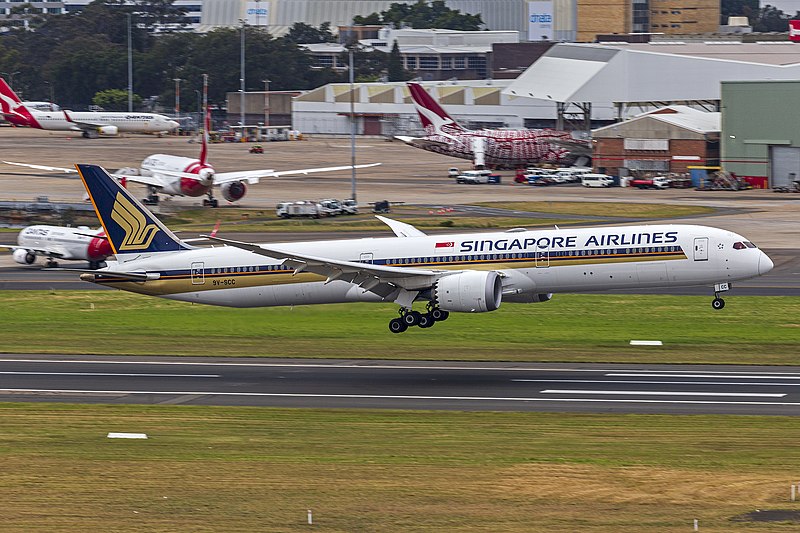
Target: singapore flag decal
445 244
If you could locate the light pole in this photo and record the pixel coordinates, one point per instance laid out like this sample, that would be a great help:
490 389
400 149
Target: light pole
241 81
266 102
352 130
130 65
199 104
177 97
50 87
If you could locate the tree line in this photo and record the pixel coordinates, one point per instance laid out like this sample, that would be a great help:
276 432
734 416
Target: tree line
70 58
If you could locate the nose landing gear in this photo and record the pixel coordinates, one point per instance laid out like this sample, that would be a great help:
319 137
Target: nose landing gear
718 303
409 318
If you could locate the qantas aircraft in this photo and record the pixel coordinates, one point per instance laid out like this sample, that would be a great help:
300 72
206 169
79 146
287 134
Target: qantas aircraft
185 176
89 123
56 242
469 273
492 148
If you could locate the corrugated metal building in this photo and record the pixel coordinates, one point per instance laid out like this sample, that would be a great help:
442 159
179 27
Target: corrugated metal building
281 14
760 134
387 109
669 139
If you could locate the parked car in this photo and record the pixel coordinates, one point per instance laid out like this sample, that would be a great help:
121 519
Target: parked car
477 176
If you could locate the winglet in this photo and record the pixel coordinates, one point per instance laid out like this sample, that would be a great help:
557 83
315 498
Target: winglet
67 117
130 227
401 229
206 133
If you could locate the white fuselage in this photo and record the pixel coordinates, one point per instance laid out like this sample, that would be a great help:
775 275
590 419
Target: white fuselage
78 244
123 122
530 263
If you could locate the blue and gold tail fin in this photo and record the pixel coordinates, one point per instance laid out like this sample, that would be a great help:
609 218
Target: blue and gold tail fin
130 227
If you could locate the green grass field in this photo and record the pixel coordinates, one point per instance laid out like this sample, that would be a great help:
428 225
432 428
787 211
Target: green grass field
750 330
213 469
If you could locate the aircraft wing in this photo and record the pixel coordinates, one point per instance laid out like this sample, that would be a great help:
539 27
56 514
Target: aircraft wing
43 167
252 176
152 181
37 251
390 283
420 142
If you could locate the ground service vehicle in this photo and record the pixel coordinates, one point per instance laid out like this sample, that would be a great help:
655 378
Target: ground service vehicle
596 180
473 177
303 208
656 182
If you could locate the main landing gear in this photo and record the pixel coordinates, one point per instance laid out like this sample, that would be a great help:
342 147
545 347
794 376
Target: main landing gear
718 303
210 201
409 318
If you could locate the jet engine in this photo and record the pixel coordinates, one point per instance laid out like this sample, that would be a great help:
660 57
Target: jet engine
470 292
24 257
108 130
233 190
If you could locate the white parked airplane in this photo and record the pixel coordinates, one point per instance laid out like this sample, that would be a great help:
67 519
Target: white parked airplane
57 242
470 273
185 176
90 124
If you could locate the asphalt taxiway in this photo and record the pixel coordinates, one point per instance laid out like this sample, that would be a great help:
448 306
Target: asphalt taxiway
679 389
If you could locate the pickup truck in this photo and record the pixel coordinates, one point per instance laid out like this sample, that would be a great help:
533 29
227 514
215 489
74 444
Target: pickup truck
657 182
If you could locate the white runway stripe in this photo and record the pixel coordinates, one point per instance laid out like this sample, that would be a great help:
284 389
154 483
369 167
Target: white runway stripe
665 393
645 382
753 376
106 374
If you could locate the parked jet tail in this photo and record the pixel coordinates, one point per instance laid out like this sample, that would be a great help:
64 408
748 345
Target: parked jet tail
433 117
12 107
130 227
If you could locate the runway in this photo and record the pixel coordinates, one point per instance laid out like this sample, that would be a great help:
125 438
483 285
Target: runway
678 389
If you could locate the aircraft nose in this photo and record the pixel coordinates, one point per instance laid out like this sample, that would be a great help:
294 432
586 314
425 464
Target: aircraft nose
172 124
765 264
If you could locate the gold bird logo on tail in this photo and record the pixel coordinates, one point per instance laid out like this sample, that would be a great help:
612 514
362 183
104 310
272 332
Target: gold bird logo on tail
138 233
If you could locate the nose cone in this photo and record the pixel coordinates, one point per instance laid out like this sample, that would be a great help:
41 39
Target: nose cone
171 124
765 264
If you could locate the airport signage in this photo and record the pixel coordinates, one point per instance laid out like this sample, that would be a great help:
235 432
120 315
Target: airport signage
257 13
540 20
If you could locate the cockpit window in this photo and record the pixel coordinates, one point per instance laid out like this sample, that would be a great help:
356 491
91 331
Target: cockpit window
750 244
739 246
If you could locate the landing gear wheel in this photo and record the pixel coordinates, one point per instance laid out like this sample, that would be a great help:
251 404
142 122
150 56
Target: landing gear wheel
426 321
717 303
51 264
439 315
411 318
396 325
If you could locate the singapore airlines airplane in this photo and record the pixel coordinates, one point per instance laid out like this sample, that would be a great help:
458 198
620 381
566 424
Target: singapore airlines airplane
57 242
89 123
185 176
470 273
490 147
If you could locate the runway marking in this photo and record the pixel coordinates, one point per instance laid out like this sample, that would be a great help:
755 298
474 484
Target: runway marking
752 376
112 374
397 397
665 393
644 382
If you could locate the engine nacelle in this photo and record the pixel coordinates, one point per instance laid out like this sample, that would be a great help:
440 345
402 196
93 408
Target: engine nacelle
24 257
108 130
528 297
233 190
470 292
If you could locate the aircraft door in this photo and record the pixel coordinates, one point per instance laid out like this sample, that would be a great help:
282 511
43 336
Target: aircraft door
701 249
366 257
542 257
198 273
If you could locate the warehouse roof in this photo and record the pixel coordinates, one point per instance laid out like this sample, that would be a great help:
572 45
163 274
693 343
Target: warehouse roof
678 115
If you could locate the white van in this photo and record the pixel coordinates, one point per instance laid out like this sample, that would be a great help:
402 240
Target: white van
596 180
